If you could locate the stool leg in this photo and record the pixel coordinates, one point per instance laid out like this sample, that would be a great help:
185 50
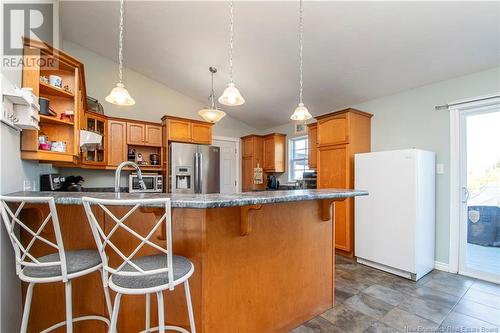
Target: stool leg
148 312
114 317
69 307
106 294
161 313
192 325
27 307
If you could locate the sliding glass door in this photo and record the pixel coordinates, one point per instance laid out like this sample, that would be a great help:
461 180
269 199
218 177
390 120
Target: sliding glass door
479 145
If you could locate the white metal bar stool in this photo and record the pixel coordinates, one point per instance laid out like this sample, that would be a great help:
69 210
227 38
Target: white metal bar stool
141 275
60 266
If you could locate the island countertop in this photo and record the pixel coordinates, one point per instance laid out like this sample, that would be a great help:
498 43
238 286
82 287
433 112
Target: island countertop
204 201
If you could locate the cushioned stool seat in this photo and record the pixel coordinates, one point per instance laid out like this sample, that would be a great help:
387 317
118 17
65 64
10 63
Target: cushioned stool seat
182 267
76 261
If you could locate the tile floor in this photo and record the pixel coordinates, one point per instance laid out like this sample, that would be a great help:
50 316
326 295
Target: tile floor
369 300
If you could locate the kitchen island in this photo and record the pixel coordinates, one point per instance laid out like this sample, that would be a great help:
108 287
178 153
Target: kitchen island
263 260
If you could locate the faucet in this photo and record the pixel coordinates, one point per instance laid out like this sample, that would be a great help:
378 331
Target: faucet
119 170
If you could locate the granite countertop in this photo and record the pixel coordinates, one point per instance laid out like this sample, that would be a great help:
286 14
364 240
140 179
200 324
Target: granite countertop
202 201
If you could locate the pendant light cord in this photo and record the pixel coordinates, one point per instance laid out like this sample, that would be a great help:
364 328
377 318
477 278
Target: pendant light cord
120 44
212 94
301 28
231 33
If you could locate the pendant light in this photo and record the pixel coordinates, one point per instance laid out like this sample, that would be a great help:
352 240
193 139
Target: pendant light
212 114
301 113
119 95
231 95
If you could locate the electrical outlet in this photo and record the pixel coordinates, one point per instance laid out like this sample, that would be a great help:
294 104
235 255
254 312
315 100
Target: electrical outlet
440 168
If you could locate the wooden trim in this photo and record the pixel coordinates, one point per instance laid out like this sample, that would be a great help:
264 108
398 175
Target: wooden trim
326 208
166 117
245 227
326 115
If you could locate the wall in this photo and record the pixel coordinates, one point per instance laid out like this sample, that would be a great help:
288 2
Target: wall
408 120
153 100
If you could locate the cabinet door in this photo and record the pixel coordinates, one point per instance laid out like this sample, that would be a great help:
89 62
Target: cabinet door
333 172
153 135
179 130
201 133
246 174
136 133
312 137
117 142
268 163
247 145
333 131
98 156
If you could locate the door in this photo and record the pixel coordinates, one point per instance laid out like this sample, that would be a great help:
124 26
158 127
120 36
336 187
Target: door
135 134
153 135
117 142
228 165
479 151
208 167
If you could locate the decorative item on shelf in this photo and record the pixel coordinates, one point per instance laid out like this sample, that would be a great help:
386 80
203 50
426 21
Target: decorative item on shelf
119 95
58 146
44 79
301 113
45 108
212 114
258 175
67 89
139 159
43 142
55 81
68 115
231 95
89 141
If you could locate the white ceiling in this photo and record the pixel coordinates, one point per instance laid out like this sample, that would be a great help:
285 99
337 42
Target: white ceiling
354 51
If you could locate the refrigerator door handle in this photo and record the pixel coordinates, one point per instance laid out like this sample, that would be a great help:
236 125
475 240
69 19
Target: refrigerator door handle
195 173
200 168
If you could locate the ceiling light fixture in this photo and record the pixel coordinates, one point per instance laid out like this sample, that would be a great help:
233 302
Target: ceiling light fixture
212 114
119 95
231 95
301 113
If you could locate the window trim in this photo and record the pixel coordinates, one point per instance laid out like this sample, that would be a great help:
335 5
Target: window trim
291 147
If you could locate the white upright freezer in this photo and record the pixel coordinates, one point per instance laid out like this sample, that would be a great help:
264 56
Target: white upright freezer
395 223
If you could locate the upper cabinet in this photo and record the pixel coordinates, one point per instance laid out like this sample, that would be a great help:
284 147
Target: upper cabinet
333 130
96 123
116 142
274 153
64 103
187 130
143 134
312 149
252 158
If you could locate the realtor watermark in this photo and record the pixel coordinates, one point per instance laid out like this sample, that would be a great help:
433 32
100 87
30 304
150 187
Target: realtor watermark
21 20
447 329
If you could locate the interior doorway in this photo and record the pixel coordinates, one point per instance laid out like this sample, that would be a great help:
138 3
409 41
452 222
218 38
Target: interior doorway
478 180
229 163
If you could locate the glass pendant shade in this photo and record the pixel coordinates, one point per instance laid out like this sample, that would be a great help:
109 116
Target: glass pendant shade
301 113
231 96
120 96
211 115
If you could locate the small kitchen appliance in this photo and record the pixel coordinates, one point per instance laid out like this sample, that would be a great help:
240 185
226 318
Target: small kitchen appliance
51 182
153 182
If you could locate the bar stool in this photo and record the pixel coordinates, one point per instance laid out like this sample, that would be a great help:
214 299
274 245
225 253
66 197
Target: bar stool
134 274
60 266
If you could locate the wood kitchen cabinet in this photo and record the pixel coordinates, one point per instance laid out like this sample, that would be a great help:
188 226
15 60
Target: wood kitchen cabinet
312 149
96 123
117 142
274 152
340 135
144 134
252 157
187 130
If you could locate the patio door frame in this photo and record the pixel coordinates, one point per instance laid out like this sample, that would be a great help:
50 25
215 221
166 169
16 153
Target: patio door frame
458 212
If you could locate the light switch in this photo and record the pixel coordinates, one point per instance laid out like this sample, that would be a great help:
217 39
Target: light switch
440 168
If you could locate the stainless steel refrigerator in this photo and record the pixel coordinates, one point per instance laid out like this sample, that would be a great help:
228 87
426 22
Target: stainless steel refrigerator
194 168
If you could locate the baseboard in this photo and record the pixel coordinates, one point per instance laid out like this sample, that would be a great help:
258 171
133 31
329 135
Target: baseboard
441 266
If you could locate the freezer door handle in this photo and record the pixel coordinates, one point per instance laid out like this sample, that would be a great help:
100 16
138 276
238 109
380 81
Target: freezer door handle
195 174
200 168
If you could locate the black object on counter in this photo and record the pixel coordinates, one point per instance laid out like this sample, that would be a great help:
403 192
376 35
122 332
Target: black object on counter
72 184
272 182
51 182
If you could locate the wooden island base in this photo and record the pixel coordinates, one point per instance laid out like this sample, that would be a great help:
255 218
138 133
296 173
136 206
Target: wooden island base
260 268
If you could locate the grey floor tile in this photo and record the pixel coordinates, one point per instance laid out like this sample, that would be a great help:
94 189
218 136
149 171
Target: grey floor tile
450 277
458 322
450 286
482 297
385 294
434 295
479 311
368 305
405 321
379 327
315 325
488 287
431 310
342 294
352 282
345 319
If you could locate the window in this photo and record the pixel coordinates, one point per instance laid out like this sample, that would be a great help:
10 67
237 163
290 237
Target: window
297 158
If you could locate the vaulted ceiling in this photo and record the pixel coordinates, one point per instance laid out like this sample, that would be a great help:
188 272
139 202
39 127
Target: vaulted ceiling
353 51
